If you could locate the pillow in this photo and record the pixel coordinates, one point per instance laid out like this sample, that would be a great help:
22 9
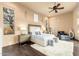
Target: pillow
32 33
38 33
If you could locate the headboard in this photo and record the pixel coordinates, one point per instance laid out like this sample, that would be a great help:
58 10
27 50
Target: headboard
32 28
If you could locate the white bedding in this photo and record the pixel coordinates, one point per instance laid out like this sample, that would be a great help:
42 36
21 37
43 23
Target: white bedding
42 39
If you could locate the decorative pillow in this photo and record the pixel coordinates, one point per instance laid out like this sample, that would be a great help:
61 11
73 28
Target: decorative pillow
38 33
33 33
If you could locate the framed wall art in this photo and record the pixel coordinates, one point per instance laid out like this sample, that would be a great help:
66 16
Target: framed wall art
8 20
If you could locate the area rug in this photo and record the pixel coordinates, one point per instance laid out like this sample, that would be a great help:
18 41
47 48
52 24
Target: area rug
61 48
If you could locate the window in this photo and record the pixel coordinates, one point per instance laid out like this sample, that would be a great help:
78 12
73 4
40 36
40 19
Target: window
35 17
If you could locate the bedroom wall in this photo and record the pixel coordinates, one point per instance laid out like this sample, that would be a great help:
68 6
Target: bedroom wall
23 17
76 21
1 31
63 22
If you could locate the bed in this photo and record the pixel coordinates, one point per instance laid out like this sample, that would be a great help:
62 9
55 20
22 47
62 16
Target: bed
41 38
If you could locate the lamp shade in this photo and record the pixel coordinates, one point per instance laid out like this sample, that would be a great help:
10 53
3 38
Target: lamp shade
23 29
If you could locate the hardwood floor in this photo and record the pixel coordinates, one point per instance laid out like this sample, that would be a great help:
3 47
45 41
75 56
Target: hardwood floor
23 50
76 48
27 50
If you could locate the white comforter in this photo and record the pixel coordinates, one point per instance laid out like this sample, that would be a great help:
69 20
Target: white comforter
42 39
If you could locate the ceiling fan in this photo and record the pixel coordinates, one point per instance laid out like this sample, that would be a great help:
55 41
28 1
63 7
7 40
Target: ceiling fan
56 8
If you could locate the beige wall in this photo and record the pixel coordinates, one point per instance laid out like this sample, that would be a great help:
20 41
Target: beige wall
23 17
63 22
1 32
76 21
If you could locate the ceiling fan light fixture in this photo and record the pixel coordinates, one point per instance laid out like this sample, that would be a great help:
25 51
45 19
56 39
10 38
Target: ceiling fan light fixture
55 8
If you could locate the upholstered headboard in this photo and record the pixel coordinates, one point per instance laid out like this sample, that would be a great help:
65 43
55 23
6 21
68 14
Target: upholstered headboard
32 28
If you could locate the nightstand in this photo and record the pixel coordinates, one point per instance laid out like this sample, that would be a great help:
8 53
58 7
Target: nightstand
23 38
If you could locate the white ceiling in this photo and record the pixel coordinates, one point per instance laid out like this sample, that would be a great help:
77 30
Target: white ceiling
42 7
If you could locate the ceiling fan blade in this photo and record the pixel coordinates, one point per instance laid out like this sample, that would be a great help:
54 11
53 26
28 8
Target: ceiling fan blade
58 5
61 8
56 11
50 8
50 11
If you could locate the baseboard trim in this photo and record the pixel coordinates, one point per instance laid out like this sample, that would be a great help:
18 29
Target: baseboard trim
10 45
